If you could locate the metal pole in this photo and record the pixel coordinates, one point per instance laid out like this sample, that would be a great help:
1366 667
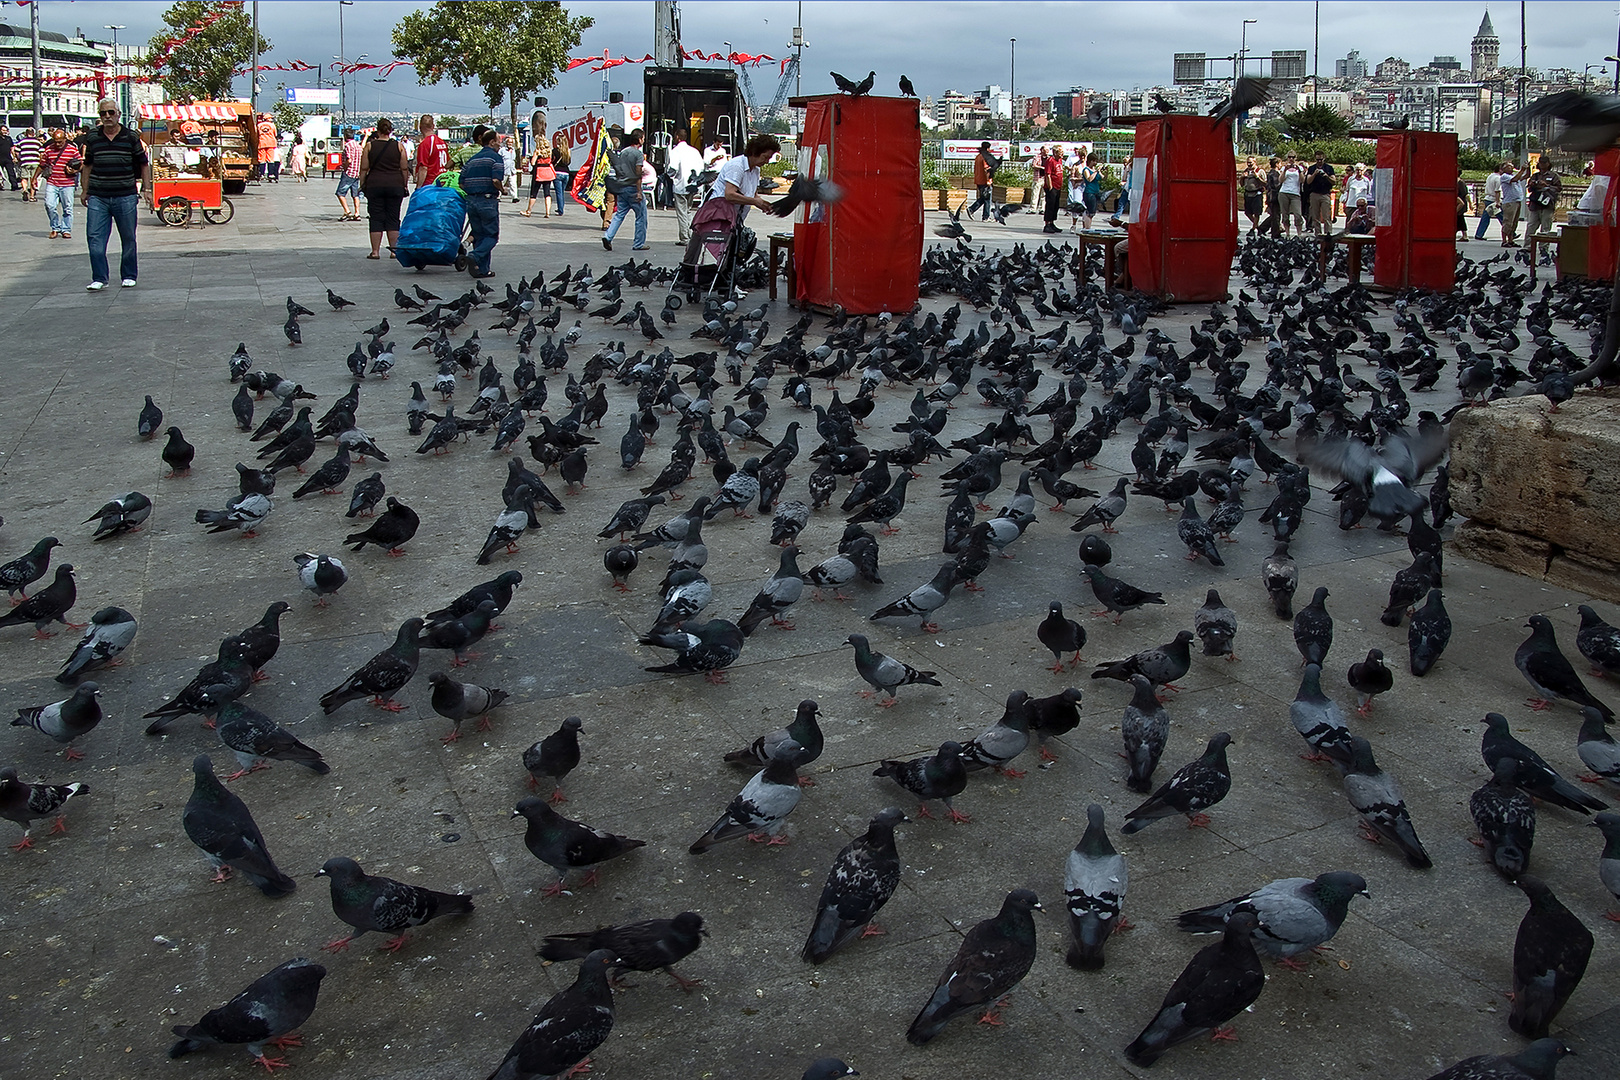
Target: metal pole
1617 64
253 72
1012 86
1524 139
343 54
1316 55
33 49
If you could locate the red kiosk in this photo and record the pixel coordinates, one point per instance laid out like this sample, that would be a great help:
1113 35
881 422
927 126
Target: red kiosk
1185 232
863 254
1603 236
1415 192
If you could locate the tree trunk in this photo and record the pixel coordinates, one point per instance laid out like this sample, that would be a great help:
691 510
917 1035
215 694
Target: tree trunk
517 146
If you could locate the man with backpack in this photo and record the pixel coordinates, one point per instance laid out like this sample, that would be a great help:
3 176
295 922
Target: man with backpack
624 184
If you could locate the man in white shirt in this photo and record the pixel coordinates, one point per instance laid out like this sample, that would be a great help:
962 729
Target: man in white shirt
1358 185
1490 203
684 165
715 153
1512 202
509 160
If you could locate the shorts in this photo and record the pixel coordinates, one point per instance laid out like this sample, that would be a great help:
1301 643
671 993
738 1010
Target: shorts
1251 204
348 185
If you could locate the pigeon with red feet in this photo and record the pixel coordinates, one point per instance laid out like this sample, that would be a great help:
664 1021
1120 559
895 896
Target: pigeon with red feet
1219 982
1095 881
272 1007
941 775
565 845
574 1022
803 730
65 720
383 904
255 738
26 803
48 605
222 827
1295 914
884 673
383 675
924 600
1161 664
862 879
997 745
649 945
1195 787
993 958
1060 635
1549 672
761 808
1533 776
554 757
1377 798
458 701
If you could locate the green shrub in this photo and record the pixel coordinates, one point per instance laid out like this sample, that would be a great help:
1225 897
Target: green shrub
933 181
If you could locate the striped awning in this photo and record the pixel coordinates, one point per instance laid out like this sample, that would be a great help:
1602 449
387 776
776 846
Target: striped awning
167 111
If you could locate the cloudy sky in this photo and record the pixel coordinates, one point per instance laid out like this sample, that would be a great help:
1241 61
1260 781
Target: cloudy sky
940 45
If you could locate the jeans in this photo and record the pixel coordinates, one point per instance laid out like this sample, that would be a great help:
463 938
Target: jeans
102 214
561 184
630 200
1485 220
484 218
59 206
10 170
984 200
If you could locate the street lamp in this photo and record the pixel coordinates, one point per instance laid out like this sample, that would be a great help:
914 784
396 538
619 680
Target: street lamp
118 87
379 83
1243 48
342 108
1012 88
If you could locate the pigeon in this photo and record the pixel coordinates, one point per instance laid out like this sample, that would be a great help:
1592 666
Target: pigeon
65 720
1377 798
923 600
689 592
120 516
328 477
997 745
1318 720
806 189
1373 473
1247 93
1295 914
257 644
1369 678
224 680
245 514
1549 957
854 89
366 495
906 89
383 675
565 845
789 520
761 808
1608 862
554 757
1105 511
1145 728
1219 982
1506 819
26 803
828 1068
1599 643
460 635
862 879
294 332
884 673
337 302
48 605
255 738
1597 749
567 1028
320 574
941 775
1428 634
149 420
221 826
1195 533
1535 777
709 647
1550 673
267 1012
1060 635
405 301
177 453
1313 630
391 530
1216 626
630 516
1162 664
649 945
1117 596
497 590
1538 1061
1194 788
458 701
620 561
23 571
383 904
780 592
1094 880
804 731
1280 576
110 632
509 525
994 957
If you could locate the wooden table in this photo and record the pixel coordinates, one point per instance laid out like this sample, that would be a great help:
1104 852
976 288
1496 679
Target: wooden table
1354 242
1540 240
1106 241
783 242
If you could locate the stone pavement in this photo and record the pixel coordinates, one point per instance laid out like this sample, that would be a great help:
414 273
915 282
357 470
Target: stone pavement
113 932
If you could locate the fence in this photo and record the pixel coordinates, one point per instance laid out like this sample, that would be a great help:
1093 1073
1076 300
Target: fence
933 160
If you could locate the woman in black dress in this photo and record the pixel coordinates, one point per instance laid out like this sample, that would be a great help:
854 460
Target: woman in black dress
383 179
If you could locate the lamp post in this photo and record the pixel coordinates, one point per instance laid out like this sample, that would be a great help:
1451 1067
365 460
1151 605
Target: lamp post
1243 48
339 63
357 61
342 106
1012 87
1615 60
118 87
379 83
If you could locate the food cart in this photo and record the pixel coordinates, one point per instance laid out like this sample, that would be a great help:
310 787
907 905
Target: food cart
197 152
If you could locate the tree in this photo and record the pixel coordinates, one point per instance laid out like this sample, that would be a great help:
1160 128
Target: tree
288 117
200 68
1317 121
507 49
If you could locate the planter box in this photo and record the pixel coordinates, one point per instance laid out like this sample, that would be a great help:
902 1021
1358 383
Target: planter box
955 200
961 181
1015 195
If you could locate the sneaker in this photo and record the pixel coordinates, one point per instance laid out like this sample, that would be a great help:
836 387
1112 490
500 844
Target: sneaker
643 247
607 245
129 283
95 286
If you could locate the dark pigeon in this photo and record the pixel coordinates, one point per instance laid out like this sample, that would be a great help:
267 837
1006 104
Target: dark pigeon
862 879
1550 673
220 825
1219 982
269 1011
383 904
567 1028
554 757
639 946
383 675
993 958
565 845
941 776
1195 787
26 803
1550 955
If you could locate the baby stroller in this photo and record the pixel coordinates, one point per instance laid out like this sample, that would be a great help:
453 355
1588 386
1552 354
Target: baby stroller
433 230
712 258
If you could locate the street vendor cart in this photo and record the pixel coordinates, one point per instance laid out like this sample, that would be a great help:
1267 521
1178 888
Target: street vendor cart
194 151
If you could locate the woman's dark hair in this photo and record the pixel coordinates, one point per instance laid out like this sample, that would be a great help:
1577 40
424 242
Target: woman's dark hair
759 144
385 127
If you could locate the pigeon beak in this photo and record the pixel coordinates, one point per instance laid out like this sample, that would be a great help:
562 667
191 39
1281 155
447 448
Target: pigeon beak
320 873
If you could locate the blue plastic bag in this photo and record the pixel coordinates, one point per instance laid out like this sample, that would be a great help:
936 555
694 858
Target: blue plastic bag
430 232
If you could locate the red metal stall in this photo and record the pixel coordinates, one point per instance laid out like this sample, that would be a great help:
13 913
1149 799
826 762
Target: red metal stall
863 254
1185 232
1415 191
1603 235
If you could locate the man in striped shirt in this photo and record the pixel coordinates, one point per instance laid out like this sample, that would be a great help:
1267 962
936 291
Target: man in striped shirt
115 166
28 148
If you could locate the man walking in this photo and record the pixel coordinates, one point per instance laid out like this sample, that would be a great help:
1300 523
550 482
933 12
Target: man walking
481 179
115 165
1490 201
624 184
59 167
8 160
985 165
349 177
685 165
28 150
432 155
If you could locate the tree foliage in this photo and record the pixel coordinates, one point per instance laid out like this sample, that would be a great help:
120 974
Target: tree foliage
507 49
1317 121
200 68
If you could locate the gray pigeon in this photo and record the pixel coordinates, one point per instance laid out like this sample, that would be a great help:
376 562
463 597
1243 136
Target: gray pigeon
1117 596
65 720
321 575
1596 748
1094 880
1608 862
220 825
924 600
458 701
862 879
885 673
687 594
1295 914
1313 630
109 634
254 738
26 803
761 808
1280 576
780 592
1216 626
996 746
803 730
1145 728
1377 798
1319 721
1538 1061
1162 664
367 903
267 1012
564 845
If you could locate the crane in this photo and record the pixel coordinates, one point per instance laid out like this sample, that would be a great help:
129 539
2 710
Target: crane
763 119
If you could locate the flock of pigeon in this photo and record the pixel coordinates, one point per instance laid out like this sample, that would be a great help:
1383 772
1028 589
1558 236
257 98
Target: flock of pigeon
1011 335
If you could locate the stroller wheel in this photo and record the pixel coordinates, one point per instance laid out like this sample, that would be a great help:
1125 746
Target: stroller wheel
461 263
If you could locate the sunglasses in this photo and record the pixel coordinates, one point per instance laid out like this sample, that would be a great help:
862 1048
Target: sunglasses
109 112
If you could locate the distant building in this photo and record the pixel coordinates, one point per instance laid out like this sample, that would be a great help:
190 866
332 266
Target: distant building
1445 63
60 57
1486 49
1394 68
1351 67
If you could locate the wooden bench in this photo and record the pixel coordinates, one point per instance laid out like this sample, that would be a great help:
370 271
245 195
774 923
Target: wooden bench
783 243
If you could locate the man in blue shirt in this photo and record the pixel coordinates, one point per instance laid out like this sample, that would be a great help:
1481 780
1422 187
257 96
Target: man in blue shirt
481 180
